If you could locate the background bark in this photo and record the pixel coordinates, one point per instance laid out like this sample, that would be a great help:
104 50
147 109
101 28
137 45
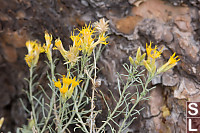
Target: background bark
174 24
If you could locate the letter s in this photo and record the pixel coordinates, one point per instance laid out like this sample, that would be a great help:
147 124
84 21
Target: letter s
193 108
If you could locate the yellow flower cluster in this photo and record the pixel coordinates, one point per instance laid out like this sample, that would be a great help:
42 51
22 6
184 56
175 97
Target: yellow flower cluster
88 42
85 41
72 55
152 55
34 49
64 86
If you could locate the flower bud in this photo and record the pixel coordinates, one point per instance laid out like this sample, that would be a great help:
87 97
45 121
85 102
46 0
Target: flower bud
131 61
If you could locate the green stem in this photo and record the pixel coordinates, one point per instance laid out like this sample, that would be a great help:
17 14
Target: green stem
63 111
60 106
92 122
136 103
31 98
83 62
123 123
118 103
92 111
79 117
61 119
114 111
52 98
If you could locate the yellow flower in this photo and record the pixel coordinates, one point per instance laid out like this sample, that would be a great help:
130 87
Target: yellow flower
101 26
64 86
74 84
34 49
57 83
88 42
173 60
66 83
48 46
171 63
153 53
149 49
76 39
139 59
30 46
59 46
1 121
72 55
102 39
156 54
48 39
86 39
29 59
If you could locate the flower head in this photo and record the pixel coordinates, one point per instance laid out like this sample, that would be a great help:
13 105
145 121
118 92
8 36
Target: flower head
34 49
149 49
74 83
171 63
59 46
153 53
102 39
48 46
65 84
89 41
76 39
72 55
86 38
101 26
173 59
